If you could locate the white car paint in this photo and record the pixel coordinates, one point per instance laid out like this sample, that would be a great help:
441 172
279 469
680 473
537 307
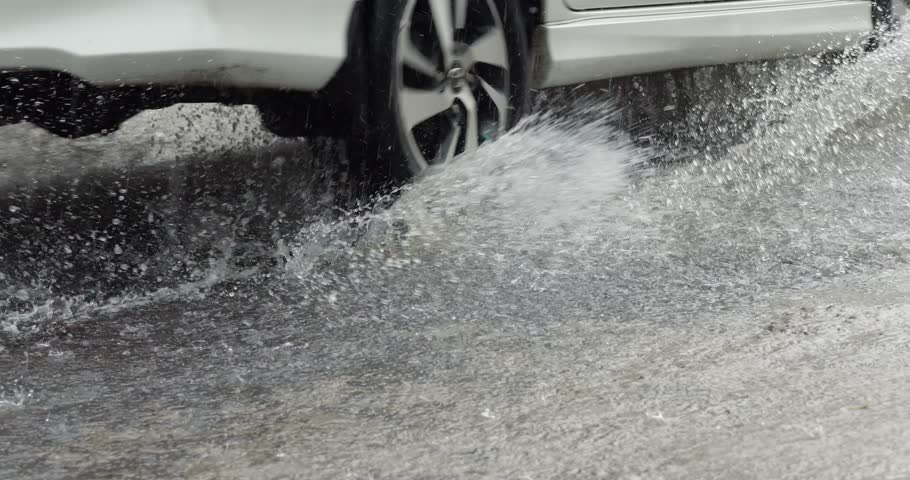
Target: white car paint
580 46
604 4
266 43
300 44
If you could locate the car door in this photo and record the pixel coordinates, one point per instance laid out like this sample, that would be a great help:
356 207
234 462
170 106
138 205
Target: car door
604 4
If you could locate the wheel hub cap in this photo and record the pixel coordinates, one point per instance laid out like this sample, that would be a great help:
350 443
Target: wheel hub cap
457 76
452 78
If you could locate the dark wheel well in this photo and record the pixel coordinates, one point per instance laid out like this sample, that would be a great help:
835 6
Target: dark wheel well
533 8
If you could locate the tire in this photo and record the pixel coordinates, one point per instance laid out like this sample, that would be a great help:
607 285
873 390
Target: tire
395 76
885 16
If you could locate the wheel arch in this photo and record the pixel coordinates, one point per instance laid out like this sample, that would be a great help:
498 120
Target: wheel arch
359 28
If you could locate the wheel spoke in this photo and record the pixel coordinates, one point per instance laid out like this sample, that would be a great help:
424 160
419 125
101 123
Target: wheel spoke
447 149
491 49
461 14
445 29
457 80
419 105
472 137
500 100
413 58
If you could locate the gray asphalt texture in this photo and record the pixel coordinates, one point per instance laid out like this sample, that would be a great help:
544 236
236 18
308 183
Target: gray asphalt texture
552 307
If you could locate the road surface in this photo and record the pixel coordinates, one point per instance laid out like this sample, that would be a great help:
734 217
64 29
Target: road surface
554 307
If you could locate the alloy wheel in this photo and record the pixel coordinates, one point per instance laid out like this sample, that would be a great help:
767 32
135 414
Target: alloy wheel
452 78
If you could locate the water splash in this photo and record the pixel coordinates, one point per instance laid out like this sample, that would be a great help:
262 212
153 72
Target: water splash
15 396
863 101
549 182
560 200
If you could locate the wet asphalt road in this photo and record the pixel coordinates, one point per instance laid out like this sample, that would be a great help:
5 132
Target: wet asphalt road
553 308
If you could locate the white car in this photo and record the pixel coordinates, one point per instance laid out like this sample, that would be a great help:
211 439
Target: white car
410 83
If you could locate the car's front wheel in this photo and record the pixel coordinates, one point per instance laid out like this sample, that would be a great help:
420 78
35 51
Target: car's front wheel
443 76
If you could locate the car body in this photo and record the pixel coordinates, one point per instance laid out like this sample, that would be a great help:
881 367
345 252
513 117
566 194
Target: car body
139 54
272 43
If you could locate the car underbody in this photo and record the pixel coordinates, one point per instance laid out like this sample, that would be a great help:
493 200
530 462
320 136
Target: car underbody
84 97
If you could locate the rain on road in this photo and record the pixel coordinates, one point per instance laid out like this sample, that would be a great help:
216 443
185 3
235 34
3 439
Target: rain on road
182 298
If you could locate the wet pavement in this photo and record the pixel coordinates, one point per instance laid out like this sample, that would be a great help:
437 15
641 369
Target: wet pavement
557 306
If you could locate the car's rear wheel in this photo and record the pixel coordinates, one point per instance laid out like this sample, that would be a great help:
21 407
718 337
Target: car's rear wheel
883 14
443 77
885 17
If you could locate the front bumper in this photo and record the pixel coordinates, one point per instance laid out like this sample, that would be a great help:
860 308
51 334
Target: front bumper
296 44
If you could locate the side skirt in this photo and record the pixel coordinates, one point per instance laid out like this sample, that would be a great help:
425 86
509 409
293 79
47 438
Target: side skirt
596 45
